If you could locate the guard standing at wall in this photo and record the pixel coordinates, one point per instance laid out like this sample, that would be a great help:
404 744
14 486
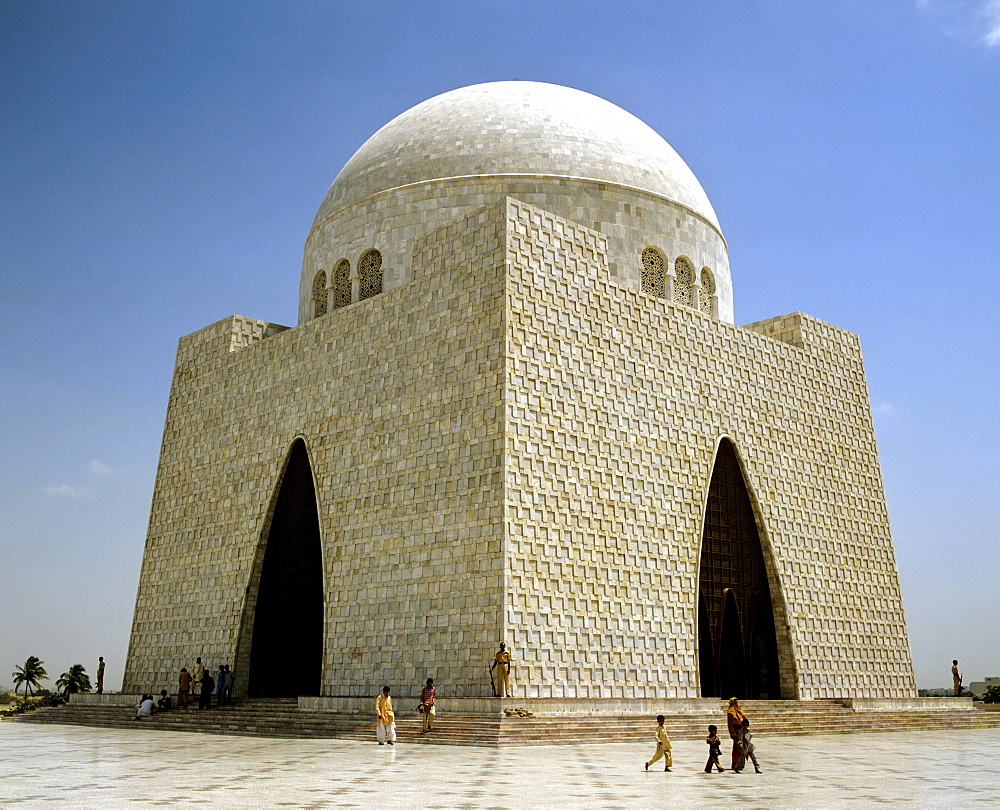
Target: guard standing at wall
501 662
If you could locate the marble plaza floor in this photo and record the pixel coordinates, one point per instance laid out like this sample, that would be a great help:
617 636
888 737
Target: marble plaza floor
71 766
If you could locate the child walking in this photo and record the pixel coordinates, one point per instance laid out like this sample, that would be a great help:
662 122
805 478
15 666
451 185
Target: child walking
385 719
714 750
662 745
426 707
748 747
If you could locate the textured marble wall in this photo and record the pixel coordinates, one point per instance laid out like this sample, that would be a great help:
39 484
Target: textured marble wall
399 401
616 404
517 443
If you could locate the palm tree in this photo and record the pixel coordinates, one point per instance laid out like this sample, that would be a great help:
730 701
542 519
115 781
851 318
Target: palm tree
73 682
30 675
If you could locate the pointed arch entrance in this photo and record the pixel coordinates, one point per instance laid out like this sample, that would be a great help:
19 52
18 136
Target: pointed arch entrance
286 650
737 643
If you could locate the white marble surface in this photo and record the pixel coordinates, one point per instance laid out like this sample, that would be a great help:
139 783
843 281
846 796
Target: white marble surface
68 766
514 128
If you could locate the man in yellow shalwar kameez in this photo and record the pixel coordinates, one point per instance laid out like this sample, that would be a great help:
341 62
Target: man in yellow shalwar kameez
663 746
385 719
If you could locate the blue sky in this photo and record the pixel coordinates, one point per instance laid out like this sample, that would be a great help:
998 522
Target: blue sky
162 163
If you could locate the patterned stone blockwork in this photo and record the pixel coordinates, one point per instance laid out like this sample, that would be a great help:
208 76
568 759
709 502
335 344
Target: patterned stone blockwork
516 444
616 403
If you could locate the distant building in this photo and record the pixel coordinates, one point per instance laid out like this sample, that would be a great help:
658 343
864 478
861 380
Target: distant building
978 688
516 407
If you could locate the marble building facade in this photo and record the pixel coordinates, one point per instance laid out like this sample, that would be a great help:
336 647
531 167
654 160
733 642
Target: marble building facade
517 407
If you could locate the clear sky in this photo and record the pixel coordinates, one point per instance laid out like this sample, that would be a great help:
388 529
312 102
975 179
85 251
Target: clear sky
161 163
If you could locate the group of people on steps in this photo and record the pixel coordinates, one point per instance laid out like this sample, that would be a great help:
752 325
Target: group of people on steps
198 683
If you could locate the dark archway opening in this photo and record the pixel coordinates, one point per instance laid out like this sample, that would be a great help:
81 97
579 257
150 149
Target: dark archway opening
707 649
732 661
737 643
286 656
763 668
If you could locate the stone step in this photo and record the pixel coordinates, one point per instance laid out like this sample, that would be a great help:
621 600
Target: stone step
273 718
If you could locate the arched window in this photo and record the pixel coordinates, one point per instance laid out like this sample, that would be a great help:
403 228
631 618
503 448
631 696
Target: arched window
683 282
342 284
707 297
319 294
654 272
370 273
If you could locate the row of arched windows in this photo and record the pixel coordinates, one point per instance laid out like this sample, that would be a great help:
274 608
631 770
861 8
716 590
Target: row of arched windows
340 291
679 285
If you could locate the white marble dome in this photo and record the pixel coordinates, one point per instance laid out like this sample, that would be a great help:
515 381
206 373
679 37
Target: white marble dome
567 152
516 128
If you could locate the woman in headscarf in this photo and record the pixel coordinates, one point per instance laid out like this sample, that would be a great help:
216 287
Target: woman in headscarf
734 722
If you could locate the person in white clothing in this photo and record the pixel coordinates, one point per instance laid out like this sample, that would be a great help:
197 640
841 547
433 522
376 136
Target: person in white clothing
197 673
145 707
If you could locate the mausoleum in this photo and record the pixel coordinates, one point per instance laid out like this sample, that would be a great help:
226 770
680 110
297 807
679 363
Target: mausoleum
517 407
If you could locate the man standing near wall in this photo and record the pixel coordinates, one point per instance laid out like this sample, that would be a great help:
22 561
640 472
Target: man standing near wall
501 662
197 673
956 678
100 675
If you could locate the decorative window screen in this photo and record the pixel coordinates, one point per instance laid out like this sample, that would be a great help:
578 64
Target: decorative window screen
707 291
683 282
370 272
319 294
654 272
342 284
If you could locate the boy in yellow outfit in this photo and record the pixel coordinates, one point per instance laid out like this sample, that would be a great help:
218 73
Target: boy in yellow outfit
662 744
385 722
